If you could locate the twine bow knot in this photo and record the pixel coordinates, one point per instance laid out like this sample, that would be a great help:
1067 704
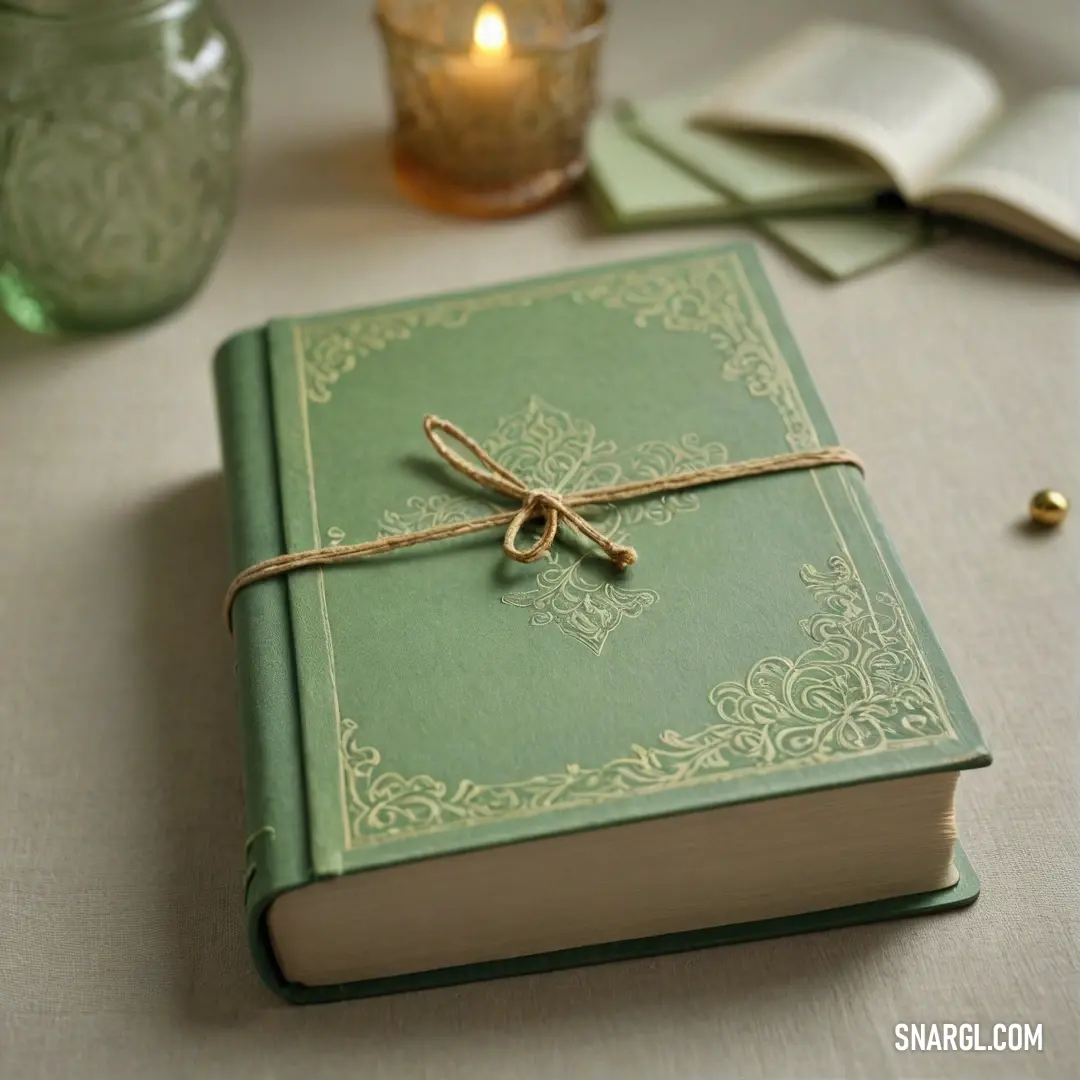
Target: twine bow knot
555 508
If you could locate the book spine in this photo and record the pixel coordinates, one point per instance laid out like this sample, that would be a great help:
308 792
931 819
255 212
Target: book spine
277 845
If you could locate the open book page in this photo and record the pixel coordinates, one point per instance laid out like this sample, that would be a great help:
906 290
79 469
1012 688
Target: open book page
910 103
1024 176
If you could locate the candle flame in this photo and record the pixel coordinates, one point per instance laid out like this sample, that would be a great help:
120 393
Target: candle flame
489 32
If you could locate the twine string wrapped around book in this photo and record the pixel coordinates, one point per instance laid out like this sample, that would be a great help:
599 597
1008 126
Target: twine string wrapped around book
554 508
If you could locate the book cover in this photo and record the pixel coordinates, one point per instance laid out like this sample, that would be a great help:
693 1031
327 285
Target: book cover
443 699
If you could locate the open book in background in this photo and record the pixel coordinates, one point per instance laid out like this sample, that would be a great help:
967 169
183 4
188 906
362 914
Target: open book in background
930 117
639 179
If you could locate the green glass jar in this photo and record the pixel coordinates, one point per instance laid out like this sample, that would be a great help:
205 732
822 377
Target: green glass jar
120 126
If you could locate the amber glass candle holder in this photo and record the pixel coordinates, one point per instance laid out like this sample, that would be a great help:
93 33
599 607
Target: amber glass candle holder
491 101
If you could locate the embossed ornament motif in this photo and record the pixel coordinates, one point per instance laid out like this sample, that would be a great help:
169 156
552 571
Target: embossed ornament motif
859 688
862 686
548 448
707 296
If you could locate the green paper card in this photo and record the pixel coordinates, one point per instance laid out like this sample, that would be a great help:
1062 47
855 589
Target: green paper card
769 173
767 642
634 185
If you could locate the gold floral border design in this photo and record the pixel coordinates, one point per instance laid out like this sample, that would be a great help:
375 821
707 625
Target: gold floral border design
705 295
858 689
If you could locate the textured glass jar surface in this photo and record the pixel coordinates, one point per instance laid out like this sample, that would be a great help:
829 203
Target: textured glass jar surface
119 148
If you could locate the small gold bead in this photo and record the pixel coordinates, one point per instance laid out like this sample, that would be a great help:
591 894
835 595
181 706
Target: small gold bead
1048 507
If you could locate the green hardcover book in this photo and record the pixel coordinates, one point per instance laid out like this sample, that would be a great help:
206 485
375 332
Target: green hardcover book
458 766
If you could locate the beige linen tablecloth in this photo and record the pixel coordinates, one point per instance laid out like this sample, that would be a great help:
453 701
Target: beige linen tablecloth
954 373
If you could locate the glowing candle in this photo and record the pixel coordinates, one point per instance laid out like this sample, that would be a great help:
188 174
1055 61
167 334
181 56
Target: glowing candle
490 113
491 82
491 44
